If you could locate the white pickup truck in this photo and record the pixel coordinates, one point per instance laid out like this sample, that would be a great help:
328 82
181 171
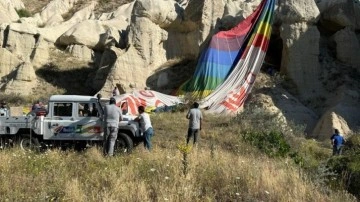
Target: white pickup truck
70 120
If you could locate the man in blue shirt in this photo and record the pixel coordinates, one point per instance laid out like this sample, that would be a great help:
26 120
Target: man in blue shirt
337 141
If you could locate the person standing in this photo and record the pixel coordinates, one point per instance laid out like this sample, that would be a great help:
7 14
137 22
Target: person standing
3 109
36 105
195 121
337 142
145 126
115 91
38 109
113 116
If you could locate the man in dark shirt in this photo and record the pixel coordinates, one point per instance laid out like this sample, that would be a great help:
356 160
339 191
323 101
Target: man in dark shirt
195 121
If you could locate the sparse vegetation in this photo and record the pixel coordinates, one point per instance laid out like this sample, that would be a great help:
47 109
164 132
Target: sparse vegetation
35 6
223 167
65 74
290 86
105 6
80 4
69 81
23 13
271 143
16 100
346 168
253 156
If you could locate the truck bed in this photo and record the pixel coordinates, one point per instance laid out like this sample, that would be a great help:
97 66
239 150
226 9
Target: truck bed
12 124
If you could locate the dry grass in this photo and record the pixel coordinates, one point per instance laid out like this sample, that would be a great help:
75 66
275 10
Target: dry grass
106 6
103 6
65 74
80 4
35 6
221 168
65 61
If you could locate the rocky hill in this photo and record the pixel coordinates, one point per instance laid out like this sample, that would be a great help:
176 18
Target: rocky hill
85 47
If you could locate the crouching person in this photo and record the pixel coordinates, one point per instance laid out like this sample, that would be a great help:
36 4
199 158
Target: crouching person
145 126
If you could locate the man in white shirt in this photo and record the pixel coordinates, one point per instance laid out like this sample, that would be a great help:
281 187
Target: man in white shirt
195 121
145 126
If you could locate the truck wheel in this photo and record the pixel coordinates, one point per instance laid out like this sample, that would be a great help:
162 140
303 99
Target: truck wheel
27 145
5 143
124 144
2 143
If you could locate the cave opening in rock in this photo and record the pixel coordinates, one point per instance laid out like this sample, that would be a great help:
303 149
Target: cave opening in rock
272 61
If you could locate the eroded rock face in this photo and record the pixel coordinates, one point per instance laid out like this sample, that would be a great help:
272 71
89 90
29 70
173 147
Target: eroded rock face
82 52
293 11
161 12
236 10
301 40
123 11
347 47
212 11
8 62
326 125
144 54
24 81
80 35
7 12
20 42
287 107
159 31
137 39
300 57
104 33
146 50
342 13
56 7
17 4
40 55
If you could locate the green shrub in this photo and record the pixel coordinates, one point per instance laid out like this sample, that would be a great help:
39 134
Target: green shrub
17 100
347 167
313 154
23 13
271 143
352 145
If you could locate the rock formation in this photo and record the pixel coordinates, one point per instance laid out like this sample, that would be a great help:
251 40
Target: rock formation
134 45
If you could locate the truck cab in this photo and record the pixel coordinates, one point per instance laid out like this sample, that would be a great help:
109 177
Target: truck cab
71 117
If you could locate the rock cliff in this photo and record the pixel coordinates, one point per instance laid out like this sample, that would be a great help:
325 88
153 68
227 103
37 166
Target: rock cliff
315 45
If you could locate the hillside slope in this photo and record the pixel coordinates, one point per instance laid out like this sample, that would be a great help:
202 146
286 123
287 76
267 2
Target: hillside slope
86 47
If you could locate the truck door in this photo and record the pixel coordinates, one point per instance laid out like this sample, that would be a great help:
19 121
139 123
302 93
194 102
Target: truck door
88 122
62 123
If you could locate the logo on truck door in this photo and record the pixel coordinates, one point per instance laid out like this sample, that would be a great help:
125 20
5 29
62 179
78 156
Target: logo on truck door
89 129
56 129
